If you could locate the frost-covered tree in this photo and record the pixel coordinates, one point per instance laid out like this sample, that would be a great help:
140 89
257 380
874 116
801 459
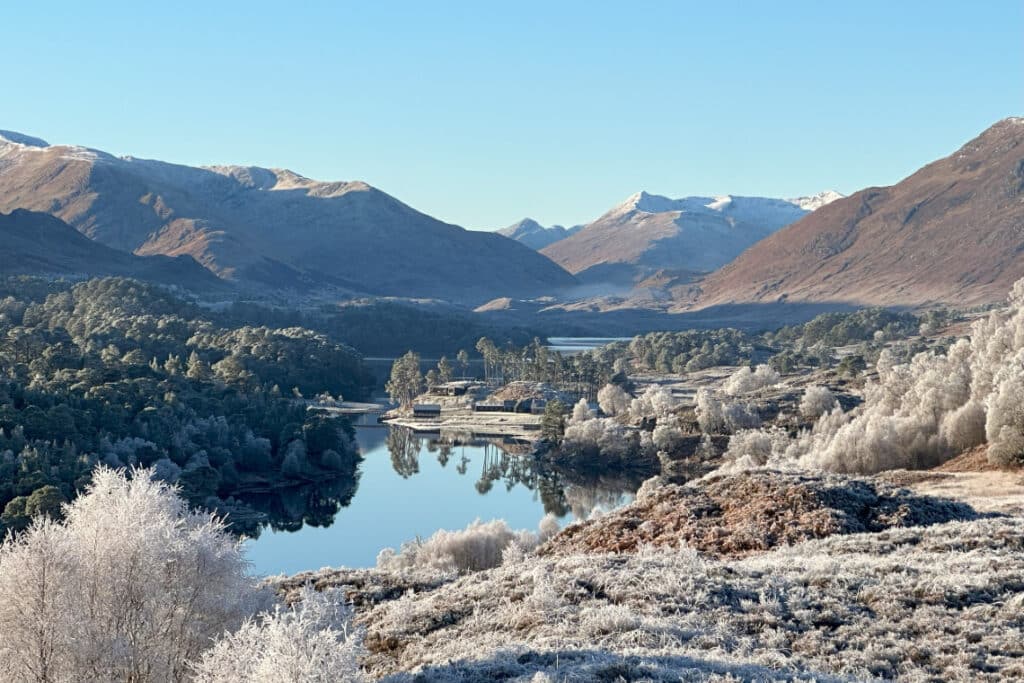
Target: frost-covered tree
817 401
197 368
750 448
314 641
603 438
581 412
668 435
656 401
131 586
710 415
745 381
716 416
613 400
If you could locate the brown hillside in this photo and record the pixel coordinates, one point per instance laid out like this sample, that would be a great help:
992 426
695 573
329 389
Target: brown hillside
39 244
268 226
951 233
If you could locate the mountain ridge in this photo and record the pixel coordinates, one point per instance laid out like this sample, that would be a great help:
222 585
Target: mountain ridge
37 243
536 236
269 227
952 232
649 233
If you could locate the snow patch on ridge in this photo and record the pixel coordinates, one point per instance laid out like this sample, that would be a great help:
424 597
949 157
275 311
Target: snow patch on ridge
750 209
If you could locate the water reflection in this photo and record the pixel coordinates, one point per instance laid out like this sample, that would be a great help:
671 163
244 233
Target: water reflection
411 484
509 463
292 508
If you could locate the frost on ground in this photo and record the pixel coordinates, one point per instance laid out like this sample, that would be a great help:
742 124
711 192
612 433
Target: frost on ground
733 515
943 602
755 576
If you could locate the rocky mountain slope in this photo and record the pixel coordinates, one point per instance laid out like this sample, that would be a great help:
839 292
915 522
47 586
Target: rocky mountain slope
648 234
39 244
536 236
267 226
953 232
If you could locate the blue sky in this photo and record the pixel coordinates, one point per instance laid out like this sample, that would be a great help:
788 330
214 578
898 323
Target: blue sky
480 113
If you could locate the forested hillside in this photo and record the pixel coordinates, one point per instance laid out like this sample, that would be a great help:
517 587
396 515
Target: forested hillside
118 372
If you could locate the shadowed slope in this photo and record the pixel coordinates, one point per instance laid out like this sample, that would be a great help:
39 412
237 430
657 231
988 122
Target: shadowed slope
39 244
272 227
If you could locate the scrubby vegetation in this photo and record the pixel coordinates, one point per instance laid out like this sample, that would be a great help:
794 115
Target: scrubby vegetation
314 641
117 372
920 413
934 603
479 546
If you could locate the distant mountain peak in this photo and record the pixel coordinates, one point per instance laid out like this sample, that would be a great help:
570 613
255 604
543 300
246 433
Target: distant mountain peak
647 202
816 201
536 236
526 224
648 233
22 139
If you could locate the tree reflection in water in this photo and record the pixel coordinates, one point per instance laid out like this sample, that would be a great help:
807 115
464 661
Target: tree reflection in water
291 508
404 447
561 490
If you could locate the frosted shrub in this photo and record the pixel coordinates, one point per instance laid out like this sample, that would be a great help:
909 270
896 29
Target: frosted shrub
817 401
655 402
920 413
603 438
710 415
479 546
613 400
668 435
717 417
548 527
744 381
130 586
751 448
740 416
581 412
312 642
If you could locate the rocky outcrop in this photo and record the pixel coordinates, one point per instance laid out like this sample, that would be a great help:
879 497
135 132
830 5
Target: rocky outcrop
741 514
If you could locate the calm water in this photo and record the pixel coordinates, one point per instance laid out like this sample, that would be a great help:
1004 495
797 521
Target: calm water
411 486
571 345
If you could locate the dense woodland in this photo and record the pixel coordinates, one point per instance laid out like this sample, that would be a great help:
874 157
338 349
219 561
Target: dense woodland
384 328
811 344
117 372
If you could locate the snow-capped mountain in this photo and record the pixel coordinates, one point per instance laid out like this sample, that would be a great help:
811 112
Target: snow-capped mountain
649 232
949 233
536 236
270 227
